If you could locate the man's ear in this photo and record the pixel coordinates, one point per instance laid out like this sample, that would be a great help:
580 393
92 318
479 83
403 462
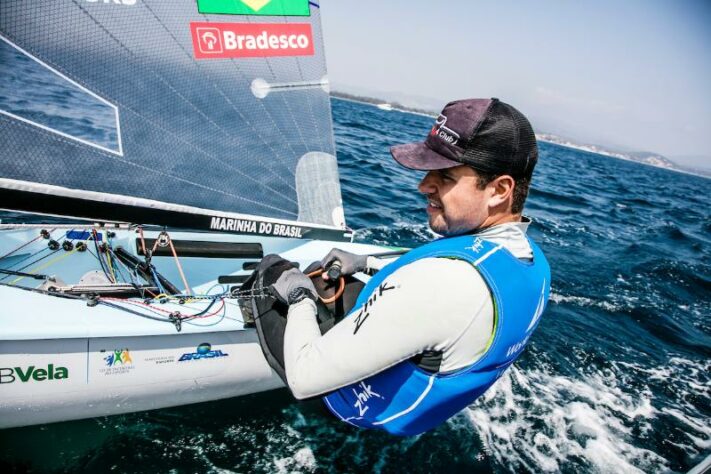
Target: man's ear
501 190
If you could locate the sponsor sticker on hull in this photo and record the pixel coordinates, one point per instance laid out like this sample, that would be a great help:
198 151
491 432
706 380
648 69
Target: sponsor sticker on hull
250 40
33 373
203 351
117 361
255 7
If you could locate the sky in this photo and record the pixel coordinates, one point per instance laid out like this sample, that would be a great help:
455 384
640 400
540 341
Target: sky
632 74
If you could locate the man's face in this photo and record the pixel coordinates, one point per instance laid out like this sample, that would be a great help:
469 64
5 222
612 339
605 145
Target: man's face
455 203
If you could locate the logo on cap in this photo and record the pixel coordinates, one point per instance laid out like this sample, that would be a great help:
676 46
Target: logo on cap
445 133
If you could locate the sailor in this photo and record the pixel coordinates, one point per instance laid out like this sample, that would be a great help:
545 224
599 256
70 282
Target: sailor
434 329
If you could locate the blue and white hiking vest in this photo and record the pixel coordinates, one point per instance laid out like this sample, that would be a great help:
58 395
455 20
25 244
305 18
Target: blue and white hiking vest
406 400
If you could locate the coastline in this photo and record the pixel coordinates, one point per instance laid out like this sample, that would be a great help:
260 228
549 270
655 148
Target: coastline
583 148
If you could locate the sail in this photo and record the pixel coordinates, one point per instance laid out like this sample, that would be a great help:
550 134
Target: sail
207 114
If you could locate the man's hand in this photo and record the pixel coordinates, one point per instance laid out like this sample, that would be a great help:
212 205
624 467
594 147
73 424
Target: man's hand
350 263
289 281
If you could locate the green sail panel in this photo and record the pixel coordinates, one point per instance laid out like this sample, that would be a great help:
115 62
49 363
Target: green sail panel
255 7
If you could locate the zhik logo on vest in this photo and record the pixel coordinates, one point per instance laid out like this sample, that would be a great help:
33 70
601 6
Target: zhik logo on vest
12 374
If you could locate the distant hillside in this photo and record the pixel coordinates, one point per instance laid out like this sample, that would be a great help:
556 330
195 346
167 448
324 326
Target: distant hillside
644 157
376 101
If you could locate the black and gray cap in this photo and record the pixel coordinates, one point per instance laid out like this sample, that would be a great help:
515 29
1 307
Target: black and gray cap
486 134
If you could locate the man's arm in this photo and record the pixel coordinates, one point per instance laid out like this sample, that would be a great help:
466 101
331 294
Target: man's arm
426 305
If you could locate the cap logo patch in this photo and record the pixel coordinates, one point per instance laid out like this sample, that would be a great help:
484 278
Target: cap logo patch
440 130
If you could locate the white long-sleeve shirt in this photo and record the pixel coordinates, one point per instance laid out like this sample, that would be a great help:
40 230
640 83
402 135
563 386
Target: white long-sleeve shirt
432 304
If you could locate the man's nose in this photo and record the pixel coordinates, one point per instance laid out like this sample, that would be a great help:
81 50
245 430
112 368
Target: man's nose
428 183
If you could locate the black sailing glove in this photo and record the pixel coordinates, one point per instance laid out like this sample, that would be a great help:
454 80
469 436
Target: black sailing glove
289 281
350 263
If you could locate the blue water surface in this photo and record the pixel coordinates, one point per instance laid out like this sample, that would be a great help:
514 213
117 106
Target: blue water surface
616 379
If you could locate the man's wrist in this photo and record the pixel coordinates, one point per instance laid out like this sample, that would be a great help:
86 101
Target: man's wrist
299 294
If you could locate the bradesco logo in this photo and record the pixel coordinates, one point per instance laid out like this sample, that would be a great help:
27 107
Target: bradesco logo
204 351
11 374
255 7
245 40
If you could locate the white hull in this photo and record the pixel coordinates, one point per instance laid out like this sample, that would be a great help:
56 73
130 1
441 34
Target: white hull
56 354
154 378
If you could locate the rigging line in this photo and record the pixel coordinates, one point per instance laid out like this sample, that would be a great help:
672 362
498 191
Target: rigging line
131 278
46 264
137 313
146 258
180 267
34 254
99 260
204 311
143 242
20 247
82 298
44 292
36 276
160 78
156 310
175 255
153 170
108 255
98 255
222 93
204 314
27 258
52 252
156 280
140 304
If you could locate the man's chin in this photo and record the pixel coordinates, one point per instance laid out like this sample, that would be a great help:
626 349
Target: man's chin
438 227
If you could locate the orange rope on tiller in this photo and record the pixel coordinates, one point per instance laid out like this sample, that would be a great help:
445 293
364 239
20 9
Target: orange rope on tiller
339 291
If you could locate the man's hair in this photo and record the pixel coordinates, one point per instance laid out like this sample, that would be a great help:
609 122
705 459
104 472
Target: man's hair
520 192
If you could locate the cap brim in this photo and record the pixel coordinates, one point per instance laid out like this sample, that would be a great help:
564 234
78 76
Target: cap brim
418 156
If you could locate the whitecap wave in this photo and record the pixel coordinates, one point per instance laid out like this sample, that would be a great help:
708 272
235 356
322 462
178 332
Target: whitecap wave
557 298
539 421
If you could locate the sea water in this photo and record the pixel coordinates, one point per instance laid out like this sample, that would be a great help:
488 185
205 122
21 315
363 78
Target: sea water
616 378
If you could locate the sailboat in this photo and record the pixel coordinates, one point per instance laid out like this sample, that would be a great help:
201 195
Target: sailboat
181 142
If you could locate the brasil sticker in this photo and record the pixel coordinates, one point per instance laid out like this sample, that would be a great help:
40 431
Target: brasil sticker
255 7
248 40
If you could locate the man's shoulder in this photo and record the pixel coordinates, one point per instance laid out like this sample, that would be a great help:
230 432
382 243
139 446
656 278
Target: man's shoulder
440 273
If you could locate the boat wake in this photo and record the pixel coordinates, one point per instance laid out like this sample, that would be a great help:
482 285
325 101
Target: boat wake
536 420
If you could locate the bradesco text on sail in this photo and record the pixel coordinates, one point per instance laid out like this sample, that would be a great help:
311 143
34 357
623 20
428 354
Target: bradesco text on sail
234 40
